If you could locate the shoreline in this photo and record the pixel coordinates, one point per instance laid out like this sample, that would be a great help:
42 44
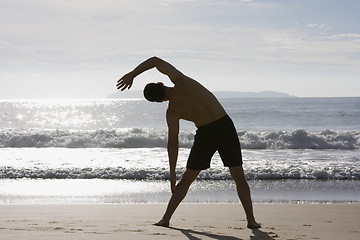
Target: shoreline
190 221
292 203
101 191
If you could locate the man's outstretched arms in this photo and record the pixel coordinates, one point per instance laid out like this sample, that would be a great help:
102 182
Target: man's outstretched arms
162 66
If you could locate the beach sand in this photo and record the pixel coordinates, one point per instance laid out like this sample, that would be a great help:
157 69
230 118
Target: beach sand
190 221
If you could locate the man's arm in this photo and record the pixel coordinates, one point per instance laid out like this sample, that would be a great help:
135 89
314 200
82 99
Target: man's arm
172 146
161 65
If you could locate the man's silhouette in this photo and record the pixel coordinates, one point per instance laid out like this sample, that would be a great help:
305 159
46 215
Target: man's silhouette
189 100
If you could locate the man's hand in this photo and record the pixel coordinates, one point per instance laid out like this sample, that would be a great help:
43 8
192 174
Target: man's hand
125 82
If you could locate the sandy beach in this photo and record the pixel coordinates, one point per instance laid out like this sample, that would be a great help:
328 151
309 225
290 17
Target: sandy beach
190 221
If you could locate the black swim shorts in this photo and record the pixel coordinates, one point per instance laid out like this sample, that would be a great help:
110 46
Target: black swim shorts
220 136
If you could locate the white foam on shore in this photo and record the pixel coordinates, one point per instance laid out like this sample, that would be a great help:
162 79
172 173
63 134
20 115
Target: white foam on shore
152 164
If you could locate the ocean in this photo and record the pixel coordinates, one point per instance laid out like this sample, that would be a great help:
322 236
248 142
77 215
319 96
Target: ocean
114 151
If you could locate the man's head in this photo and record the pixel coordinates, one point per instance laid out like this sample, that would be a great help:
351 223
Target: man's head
154 92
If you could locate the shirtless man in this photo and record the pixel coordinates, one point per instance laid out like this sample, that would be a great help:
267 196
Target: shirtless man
189 100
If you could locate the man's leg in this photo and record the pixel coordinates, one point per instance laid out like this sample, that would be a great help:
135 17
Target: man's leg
243 191
178 195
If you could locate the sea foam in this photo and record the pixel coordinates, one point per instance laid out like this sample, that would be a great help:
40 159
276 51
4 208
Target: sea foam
149 138
280 173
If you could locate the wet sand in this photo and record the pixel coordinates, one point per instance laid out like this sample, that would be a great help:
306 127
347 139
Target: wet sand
190 221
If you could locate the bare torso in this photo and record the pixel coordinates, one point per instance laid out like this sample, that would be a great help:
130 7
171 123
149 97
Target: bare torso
193 102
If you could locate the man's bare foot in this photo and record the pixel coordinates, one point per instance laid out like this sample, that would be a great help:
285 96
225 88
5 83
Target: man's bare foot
162 223
253 225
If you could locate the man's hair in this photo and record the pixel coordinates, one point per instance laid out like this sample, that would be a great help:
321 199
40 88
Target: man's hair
154 92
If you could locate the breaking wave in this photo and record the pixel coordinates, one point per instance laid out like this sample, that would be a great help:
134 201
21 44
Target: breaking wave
326 173
149 138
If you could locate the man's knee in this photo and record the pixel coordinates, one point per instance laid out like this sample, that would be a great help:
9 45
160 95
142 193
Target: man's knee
237 173
189 176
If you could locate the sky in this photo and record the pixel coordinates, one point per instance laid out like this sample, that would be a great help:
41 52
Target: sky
79 49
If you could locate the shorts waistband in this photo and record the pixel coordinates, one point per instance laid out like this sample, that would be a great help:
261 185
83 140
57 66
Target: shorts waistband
214 123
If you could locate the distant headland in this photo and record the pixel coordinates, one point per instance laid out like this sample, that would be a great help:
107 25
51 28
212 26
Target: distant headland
218 94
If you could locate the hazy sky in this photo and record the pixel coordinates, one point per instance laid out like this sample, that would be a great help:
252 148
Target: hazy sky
79 48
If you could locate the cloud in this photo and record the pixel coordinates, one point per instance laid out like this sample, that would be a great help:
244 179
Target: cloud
72 37
111 18
321 26
301 47
355 36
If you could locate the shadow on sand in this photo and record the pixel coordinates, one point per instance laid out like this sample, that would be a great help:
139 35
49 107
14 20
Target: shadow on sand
258 235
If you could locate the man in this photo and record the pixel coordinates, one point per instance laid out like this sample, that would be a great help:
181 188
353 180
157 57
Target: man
189 100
